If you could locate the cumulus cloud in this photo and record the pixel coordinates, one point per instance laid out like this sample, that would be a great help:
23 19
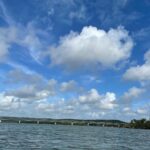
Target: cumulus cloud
47 107
70 86
91 104
92 97
58 109
92 46
128 111
132 93
139 112
32 89
142 111
30 86
30 93
139 72
8 102
18 76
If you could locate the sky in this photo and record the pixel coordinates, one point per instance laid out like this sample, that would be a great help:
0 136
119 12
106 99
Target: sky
76 59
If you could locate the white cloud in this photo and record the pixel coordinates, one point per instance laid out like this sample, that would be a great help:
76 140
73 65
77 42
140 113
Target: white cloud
18 76
25 37
28 37
128 111
147 57
89 97
139 73
92 47
109 101
30 86
132 93
91 104
142 111
101 101
5 14
30 93
68 86
60 108
8 102
7 36
46 107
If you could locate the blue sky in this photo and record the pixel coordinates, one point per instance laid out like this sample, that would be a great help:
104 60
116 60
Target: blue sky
75 59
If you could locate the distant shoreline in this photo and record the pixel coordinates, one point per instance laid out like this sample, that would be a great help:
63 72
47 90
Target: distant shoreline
137 124
103 123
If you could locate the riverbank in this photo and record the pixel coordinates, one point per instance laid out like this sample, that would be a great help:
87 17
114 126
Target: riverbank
138 124
107 123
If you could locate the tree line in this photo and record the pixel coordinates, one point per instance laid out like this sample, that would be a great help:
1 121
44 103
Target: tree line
142 124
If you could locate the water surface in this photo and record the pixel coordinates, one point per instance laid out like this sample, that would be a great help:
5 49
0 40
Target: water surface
61 137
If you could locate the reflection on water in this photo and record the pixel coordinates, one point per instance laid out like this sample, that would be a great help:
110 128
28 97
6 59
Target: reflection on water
60 137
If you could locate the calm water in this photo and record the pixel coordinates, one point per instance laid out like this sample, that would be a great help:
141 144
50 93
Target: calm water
59 137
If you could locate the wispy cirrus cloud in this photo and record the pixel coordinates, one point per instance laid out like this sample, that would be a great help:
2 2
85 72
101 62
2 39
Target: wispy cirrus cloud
25 36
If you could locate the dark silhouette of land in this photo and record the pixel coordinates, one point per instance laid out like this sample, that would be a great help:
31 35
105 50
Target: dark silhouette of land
143 123
140 124
114 123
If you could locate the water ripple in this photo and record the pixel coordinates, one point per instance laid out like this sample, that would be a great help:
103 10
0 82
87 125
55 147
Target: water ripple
60 137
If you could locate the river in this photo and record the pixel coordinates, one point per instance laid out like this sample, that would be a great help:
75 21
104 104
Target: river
66 137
